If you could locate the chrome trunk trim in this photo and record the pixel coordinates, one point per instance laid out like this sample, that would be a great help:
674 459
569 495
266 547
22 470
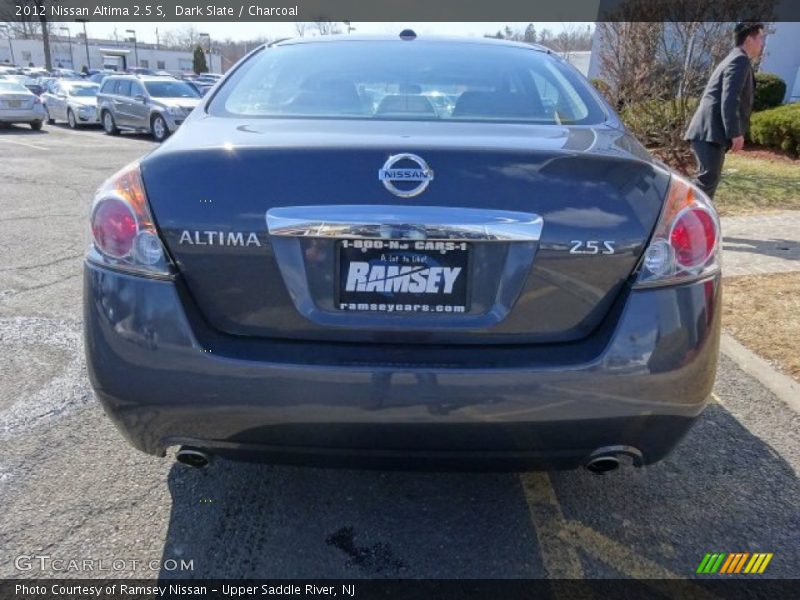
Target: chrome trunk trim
404 222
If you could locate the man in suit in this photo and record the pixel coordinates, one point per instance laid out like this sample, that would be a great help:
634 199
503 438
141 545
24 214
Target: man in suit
723 115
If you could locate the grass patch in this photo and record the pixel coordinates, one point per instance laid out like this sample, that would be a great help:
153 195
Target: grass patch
763 313
757 185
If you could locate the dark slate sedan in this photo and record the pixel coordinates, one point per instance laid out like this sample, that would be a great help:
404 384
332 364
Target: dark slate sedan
403 252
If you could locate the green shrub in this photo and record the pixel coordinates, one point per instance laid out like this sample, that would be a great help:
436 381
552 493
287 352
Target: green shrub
770 90
602 87
659 125
778 128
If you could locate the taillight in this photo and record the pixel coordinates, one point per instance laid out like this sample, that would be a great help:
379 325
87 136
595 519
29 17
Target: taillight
122 228
37 100
114 227
686 243
693 237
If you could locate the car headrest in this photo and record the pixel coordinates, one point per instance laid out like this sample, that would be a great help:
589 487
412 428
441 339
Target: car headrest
332 95
497 104
410 88
405 103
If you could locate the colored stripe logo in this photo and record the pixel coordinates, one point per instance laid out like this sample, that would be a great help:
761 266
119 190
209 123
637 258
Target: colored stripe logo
737 562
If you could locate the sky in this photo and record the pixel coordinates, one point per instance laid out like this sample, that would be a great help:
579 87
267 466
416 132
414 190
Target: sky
146 32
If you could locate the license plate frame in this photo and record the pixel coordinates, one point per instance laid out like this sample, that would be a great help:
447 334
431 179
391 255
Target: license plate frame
418 257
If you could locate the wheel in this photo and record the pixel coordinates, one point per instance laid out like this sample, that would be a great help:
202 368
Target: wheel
159 128
108 124
36 125
73 124
50 120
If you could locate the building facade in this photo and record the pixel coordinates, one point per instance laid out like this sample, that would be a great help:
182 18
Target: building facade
71 54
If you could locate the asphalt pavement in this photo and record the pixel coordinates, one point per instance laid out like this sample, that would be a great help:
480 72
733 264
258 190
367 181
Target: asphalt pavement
72 488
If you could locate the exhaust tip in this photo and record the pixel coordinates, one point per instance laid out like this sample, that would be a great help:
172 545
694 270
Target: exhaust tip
603 464
609 458
193 457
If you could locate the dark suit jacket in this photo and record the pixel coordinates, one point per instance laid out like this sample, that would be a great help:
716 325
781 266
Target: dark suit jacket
724 110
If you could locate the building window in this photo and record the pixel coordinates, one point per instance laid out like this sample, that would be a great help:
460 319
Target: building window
160 65
144 63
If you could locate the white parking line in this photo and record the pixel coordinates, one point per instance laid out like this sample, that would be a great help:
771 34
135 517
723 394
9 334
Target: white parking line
53 129
5 139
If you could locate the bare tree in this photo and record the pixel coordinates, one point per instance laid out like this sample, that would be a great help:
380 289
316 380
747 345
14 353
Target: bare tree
183 38
655 70
21 26
40 9
26 26
325 27
572 38
545 37
300 28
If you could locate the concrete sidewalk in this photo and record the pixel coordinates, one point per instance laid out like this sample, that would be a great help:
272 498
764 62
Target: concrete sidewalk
761 244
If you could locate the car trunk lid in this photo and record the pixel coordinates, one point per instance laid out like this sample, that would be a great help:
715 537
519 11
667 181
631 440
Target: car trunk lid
595 201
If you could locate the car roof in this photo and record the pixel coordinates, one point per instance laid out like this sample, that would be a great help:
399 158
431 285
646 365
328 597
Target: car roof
134 77
440 39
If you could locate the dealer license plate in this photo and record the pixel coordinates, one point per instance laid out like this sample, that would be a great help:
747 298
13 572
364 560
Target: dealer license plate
403 276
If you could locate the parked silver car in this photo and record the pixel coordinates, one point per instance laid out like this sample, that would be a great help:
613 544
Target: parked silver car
72 101
152 104
19 105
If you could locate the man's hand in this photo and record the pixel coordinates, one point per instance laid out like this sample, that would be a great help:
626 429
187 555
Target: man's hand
737 144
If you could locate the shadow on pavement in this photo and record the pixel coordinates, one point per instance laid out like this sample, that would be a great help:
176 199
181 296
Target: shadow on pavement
788 249
21 129
722 490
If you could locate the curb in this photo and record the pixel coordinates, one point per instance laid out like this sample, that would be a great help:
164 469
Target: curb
784 387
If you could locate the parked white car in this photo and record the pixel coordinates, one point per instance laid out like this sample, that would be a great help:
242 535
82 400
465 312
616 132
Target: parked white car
19 105
72 101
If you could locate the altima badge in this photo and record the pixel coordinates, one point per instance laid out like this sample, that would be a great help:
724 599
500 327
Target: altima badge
399 169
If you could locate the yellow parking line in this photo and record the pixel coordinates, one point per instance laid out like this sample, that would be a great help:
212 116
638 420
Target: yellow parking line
5 139
560 558
630 563
560 539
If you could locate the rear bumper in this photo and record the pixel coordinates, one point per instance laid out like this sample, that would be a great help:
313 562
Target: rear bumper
165 380
21 116
87 117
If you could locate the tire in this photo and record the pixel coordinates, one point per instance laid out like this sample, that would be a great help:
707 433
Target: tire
158 126
73 123
50 120
109 126
36 125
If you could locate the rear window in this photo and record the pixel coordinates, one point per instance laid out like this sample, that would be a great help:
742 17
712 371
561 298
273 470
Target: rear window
170 89
83 90
11 86
415 80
